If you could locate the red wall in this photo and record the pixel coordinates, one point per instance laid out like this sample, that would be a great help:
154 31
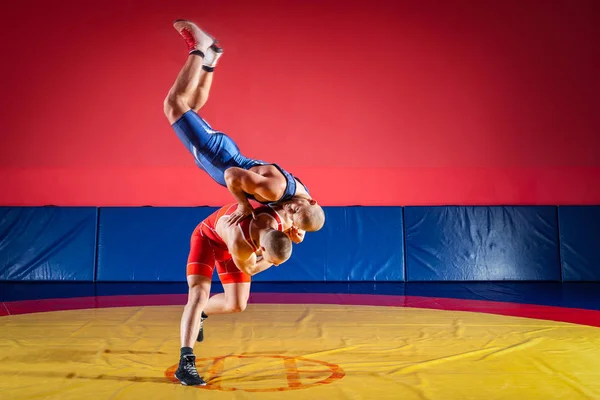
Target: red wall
377 102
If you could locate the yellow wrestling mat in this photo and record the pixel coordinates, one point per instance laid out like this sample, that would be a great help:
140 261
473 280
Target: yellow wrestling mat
298 352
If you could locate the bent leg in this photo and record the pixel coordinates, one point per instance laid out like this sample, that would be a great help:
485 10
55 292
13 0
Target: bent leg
213 151
202 53
181 95
236 286
233 300
190 90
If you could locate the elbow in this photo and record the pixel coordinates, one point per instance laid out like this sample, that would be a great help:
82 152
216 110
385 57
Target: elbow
231 177
248 271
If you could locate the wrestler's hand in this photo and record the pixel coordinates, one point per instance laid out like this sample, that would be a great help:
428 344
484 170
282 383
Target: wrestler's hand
296 234
242 212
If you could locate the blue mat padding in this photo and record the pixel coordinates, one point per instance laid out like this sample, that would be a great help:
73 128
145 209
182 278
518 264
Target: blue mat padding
356 244
47 243
580 242
148 244
482 244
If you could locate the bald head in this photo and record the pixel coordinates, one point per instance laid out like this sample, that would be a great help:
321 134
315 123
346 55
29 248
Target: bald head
309 217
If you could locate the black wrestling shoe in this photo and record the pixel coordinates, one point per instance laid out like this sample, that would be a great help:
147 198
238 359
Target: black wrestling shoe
187 372
201 332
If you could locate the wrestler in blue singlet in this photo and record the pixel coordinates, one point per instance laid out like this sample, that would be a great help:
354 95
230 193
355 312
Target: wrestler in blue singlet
215 152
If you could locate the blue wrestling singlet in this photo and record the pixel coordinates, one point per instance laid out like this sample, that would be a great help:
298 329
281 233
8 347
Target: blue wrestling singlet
215 152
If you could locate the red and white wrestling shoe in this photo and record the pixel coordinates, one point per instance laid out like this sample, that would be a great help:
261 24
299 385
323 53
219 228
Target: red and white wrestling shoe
196 38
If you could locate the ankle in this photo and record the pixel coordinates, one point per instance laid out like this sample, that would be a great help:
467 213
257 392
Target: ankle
211 58
186 351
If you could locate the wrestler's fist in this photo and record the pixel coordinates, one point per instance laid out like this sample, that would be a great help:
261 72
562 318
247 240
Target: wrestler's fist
242 212
295 234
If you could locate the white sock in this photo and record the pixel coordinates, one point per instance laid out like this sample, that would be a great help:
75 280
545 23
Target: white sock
210 59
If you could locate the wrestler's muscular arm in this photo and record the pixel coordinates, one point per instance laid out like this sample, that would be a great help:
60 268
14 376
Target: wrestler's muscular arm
240 181
261 265
243 256
248 263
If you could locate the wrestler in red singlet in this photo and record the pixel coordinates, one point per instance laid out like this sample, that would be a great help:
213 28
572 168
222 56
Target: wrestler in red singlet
207 248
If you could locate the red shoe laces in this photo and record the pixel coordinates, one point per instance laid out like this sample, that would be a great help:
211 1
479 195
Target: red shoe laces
189 38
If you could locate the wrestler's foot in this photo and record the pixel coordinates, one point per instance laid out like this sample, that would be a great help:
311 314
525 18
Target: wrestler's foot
196 39
187 372
212 55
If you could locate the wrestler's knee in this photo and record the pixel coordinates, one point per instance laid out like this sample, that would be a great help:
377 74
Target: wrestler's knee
198 294
237 305
174 106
